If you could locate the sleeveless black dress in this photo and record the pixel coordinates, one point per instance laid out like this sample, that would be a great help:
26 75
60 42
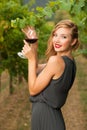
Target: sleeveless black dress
46 106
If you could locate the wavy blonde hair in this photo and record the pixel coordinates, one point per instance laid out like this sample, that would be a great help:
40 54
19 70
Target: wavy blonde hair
74 34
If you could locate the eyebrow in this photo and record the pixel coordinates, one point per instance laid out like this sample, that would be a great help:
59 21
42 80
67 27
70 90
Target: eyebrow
62 34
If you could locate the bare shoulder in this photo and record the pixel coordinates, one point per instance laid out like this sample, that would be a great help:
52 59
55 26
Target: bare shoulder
56 60
57 65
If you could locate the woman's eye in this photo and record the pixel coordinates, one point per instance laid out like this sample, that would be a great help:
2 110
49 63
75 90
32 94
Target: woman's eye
64 37
55 35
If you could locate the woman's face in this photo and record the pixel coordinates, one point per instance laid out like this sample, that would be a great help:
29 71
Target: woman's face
62 40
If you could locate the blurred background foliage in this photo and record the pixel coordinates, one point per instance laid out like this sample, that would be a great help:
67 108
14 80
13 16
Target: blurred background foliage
16 14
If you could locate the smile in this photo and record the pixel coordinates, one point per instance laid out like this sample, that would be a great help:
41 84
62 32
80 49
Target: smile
57 46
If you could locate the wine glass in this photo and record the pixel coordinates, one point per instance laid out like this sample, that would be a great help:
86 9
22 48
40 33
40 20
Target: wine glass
31 38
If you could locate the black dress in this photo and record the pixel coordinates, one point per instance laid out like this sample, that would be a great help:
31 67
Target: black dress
46 106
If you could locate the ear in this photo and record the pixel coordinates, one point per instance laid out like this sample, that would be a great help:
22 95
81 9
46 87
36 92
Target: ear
73 42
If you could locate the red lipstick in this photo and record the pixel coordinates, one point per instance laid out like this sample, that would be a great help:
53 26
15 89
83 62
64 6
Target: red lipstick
57 46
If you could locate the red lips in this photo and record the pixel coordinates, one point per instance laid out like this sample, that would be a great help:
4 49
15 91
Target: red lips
57 46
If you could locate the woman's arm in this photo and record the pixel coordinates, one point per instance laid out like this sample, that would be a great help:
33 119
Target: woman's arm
38 83
53 68
40 67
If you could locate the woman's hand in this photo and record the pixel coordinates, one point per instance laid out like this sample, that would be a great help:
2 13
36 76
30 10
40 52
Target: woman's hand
30 51
30 32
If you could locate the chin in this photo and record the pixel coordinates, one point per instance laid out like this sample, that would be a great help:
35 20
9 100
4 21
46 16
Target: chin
56 50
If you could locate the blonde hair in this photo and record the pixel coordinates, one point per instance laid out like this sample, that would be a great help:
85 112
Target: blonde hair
74 34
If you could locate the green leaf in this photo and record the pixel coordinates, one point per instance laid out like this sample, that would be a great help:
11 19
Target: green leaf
39 9
47 11
65 5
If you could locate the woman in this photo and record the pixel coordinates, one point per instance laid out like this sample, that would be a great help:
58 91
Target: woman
49 89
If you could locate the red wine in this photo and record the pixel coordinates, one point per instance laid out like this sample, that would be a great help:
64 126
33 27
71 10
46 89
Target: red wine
31 41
